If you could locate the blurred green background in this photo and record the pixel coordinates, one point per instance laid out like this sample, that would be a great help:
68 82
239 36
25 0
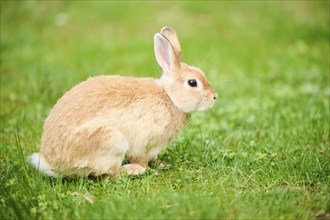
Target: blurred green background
261 152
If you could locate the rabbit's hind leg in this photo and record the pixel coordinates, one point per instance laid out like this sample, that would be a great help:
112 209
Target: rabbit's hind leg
109 160
106 150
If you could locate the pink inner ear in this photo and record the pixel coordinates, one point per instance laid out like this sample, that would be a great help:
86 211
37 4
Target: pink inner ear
162 54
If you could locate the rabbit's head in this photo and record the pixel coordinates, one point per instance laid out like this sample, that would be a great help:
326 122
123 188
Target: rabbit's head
187 86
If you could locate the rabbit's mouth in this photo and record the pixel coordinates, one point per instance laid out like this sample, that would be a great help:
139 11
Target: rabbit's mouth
207 104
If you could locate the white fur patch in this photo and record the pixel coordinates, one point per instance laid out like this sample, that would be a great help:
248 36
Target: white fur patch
40 164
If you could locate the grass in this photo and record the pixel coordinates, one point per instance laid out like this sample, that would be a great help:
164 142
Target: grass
263 150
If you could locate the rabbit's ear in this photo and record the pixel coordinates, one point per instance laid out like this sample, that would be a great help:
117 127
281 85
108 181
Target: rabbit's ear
173 38
165 54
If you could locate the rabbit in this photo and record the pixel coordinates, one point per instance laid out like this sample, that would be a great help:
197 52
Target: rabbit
107 119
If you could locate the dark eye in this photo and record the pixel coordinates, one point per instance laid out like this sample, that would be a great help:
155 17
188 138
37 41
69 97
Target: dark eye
192 82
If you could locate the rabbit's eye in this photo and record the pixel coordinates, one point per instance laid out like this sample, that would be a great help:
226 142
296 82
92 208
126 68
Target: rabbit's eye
192 82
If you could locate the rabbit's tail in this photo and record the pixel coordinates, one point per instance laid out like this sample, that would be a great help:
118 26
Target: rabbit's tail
41 164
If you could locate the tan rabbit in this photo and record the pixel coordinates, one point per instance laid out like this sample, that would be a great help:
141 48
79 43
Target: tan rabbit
105 119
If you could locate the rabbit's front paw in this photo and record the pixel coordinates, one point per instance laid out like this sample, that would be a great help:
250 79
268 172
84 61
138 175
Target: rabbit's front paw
133 169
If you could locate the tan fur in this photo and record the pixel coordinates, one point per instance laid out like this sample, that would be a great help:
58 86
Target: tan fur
99 122
172 37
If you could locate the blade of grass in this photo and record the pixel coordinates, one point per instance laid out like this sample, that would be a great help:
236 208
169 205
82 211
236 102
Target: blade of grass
19 146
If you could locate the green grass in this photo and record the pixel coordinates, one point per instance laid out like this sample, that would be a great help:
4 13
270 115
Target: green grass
262 152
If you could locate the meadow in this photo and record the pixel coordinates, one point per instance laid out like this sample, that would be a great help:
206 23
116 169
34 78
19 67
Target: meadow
262 152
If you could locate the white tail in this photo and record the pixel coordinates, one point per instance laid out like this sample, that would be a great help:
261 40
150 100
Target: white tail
40 164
